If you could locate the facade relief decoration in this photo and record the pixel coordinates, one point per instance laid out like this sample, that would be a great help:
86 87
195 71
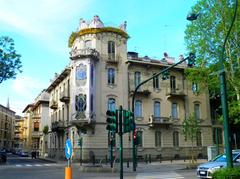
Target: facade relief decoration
80 106
81 75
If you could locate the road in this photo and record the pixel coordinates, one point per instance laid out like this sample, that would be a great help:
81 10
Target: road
27 168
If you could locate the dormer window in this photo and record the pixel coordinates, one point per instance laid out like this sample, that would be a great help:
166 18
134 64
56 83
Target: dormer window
88 44
111 50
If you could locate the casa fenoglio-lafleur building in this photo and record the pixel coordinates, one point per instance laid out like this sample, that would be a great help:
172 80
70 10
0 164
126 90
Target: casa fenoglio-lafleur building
103 75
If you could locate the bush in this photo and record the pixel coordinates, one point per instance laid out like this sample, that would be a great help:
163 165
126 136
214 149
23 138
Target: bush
227 173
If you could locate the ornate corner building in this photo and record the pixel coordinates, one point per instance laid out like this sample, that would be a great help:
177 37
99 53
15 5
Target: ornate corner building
101 76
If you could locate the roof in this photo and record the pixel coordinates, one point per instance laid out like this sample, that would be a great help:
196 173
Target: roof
27 107
59 79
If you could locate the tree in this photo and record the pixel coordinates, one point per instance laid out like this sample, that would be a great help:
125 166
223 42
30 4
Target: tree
45 130
205 37
10 63
190 130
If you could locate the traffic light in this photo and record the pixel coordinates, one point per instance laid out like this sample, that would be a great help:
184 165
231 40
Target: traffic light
191 59
126 121
112 121
135 138
165 75
80 142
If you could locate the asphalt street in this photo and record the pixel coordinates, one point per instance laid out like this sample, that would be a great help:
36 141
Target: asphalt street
27 168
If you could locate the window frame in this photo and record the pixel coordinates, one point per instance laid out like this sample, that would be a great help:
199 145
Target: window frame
111 73
175 139
138 109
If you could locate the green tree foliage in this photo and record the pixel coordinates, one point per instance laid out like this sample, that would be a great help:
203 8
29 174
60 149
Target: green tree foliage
10 63
190 129
205 37
45 130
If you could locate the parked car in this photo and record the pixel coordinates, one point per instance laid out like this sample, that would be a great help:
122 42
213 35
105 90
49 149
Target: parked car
3 157
206 170
24 154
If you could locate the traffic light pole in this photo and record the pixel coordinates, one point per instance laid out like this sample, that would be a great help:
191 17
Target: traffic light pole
120 133
134 148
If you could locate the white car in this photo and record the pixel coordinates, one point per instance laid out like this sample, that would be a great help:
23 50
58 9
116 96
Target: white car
206 170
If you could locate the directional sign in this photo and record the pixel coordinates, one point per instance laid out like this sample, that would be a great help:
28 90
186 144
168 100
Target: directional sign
68 149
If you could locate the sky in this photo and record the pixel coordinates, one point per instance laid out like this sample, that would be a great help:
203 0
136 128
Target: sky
41 28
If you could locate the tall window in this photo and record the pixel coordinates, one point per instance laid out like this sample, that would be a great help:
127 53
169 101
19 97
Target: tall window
197 110
173 84
175 139
194 87
217 136
138 109
36 126
156 82
137 78
111 76
111 104
199 139
111 50
157 109
158 139
174 110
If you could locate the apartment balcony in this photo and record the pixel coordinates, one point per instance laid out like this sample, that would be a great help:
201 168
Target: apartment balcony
84 53
64 97
112 58
83 120
59 126
36 134
53 104
178 92
18 136
160 121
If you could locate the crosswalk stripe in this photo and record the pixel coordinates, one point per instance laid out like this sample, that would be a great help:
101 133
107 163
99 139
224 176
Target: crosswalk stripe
35 165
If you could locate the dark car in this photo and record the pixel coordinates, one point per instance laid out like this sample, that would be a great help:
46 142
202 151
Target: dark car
207 169
3 157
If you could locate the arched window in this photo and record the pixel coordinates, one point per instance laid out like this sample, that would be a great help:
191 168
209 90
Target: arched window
175 139
137 78
111 104
111 76
111 50
156 82
88 44
197 110
138 108
157 109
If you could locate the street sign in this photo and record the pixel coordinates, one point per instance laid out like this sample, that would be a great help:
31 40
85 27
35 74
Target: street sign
68 149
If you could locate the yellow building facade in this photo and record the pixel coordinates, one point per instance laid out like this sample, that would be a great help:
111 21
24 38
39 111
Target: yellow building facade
102 76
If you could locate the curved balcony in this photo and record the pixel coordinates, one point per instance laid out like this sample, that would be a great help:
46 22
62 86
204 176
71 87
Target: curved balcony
84 53
59 126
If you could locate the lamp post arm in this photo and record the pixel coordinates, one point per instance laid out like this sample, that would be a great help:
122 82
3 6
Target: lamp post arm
228 33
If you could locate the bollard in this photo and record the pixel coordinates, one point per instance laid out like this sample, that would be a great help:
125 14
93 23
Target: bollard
150 158
68 172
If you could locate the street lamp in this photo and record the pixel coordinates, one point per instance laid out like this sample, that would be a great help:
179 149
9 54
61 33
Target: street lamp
222 77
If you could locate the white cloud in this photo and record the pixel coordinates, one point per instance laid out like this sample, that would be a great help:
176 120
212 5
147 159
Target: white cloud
24 90
44 20
27 87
